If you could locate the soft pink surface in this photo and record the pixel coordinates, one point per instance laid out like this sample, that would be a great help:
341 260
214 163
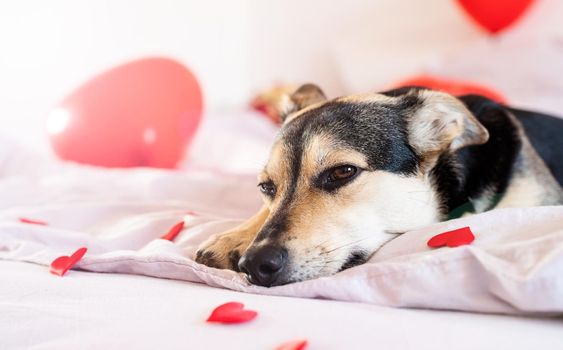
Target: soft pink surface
109 311
515 265
120 214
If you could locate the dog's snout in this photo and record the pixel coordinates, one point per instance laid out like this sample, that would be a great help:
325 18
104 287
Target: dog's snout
264 265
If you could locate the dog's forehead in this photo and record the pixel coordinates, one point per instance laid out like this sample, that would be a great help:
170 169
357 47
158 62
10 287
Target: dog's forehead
373 125
316 152
372 98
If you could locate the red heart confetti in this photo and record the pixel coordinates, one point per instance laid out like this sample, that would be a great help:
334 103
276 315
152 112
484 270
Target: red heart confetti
299 344
174 231
232 312
62 264
33 222
454 238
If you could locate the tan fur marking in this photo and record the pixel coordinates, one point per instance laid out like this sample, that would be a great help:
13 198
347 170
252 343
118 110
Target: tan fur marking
370 97
359 98
238 238
322 152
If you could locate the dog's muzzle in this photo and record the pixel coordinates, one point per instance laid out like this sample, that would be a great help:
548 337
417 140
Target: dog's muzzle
264 265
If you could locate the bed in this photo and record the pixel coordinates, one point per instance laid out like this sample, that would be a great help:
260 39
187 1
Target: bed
135 290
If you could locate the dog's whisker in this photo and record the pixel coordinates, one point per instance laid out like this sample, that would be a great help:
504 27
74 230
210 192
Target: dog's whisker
323 267
321 244
350 243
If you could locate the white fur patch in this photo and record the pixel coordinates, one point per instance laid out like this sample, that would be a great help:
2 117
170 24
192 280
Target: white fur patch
377 207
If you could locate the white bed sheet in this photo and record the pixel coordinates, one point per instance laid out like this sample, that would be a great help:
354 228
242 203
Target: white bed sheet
111 311
93 310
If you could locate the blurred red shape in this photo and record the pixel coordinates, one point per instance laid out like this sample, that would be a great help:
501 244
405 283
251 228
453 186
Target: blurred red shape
454 87
495 15
174 231
32 221
142 113
62 264
293 345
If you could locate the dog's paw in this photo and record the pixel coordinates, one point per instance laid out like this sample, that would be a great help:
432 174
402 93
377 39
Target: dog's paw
222 251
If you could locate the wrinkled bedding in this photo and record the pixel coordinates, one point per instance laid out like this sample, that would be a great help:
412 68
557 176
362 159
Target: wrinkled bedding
514 266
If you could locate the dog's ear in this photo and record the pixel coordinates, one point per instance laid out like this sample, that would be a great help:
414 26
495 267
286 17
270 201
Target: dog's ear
442 122
304 96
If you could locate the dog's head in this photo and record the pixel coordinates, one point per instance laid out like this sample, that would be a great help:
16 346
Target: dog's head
347 175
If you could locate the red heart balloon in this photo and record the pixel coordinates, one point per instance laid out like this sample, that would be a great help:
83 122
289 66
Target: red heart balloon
293 345
232 312
495 15
62 264
142 113
454 238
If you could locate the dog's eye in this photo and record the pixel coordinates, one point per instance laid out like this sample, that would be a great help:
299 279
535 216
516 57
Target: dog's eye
268 188
336 177
342 173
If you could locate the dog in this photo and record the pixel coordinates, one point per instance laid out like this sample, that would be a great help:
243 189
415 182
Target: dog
347 175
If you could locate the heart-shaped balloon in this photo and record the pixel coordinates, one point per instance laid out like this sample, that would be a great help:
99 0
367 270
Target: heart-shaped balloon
454 238
143 113
495 15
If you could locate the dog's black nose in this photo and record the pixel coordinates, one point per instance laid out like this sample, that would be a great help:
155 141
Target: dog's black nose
263 265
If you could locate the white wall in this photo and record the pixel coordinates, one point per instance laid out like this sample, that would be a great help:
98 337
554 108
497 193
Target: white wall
49 47
320 41
235 47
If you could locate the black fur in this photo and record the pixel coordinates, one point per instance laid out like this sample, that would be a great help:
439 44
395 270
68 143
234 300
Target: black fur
234 257
379 131
545 134
355 259
374 129
470 171
368 128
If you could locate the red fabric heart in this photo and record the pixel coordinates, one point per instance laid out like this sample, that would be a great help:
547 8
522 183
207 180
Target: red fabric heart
293 345
33 222
495 15
454 238
232 312
62 264
174 231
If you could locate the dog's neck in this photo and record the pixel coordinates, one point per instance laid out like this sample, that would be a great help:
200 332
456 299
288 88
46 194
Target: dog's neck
504 172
